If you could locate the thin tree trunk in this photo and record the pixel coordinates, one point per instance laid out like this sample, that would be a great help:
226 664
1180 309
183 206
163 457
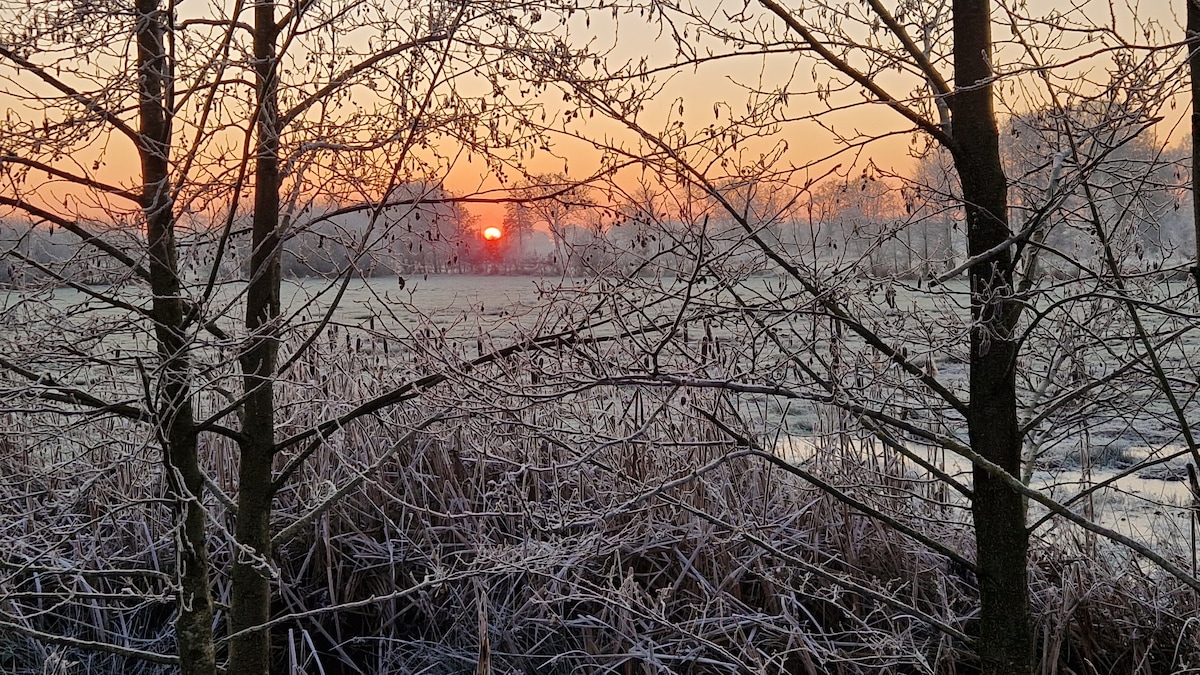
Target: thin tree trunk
176 423
1002 541
250 604
1193 32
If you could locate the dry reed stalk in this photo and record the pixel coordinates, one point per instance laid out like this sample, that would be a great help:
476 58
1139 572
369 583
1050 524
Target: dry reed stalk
598 545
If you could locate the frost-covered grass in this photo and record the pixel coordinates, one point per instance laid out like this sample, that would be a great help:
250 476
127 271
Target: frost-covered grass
546 522
573 540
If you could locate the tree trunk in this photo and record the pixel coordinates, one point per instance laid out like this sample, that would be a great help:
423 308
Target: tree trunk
1193 32
176 423
250 605
1002 541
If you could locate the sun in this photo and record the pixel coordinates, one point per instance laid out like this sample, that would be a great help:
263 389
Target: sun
492 233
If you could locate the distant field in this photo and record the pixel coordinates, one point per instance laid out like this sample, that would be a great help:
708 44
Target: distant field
475 313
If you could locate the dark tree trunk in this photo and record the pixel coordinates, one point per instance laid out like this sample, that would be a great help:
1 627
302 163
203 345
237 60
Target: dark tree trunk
1002 541
176 423
1193 33
251 582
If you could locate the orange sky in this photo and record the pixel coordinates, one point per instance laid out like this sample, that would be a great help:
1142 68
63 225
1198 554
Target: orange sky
697 90
700 88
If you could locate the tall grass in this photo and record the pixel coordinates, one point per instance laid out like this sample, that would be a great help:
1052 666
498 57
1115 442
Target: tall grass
561 529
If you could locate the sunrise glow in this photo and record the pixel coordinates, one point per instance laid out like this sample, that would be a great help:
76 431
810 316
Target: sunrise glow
492 233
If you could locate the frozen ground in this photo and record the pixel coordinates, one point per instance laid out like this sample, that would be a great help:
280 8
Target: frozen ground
1147 502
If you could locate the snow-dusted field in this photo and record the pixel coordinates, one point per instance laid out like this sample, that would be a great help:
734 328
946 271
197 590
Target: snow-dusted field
75 337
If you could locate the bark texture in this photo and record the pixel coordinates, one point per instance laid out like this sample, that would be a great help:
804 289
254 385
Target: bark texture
1001 538
250 605
176 422
1193 33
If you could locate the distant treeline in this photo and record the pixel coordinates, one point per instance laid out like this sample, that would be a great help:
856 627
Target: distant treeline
870 225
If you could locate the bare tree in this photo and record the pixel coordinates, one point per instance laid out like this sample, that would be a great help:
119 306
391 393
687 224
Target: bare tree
72 117
557 203
253 124
731 449
854 47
